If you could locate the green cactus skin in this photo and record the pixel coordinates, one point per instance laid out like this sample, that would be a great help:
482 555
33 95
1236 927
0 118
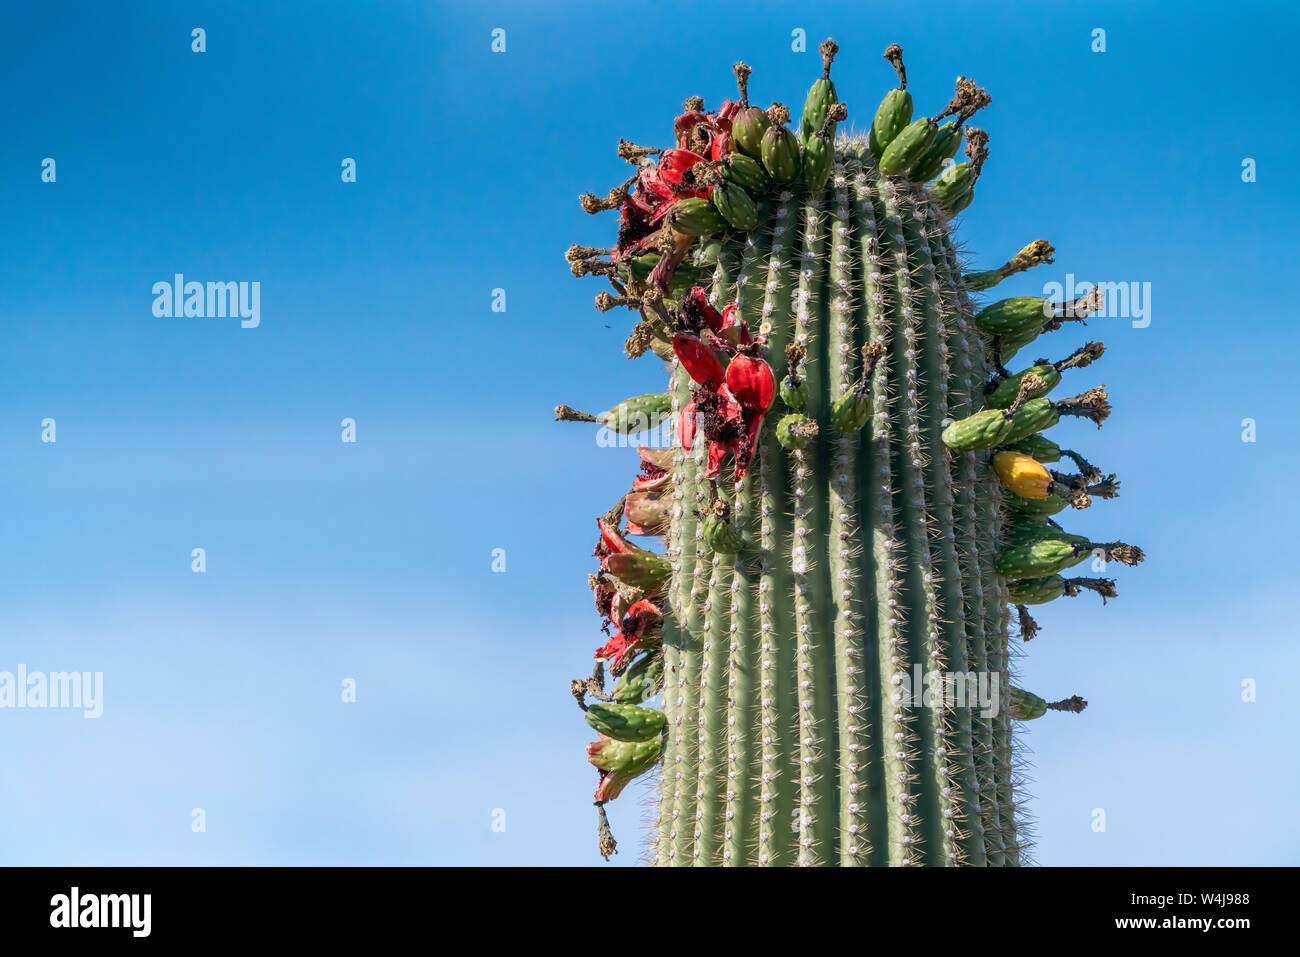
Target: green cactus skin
736 207
745 172
954 187
856 567
893 114
1039 447
869 536
1006 391
697 217
1035 509
625 722
640 681
943 148
821 95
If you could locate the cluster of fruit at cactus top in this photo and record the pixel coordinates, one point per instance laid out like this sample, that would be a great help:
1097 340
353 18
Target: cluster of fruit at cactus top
857 494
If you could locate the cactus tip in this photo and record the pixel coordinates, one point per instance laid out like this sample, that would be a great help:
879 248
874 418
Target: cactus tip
894 54
828 49
604 836
1074 704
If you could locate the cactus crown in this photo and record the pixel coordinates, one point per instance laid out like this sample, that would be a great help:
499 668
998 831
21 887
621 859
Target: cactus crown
853 501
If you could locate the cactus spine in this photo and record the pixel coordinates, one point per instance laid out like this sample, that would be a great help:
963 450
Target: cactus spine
836 550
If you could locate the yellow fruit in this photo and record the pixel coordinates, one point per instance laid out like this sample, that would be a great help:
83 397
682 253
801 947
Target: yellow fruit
1023 474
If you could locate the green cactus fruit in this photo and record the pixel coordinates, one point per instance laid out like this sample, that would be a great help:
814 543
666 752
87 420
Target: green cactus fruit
735 206
1035 509
631 416
1034 254
796 431
875 546
794 393
1054 550
1007 389
696 217
640 569
641 681
780 147
746 173
640 267
630 757
1042 413
955 187
748 129
821 96
750 123
980 430
1016 316
625 722
1036 591
819 149
943 148
892 117
895 110
1039 591
1025 705
1005 392
1039 447
908 146
721 535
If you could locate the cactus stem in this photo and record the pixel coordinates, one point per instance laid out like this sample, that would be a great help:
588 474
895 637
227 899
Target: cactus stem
1000 371
605 302
742 71
1105 587
894 54
1079 309
1028 386
576 252
1120 552
1073 704
947 642
982 817
814 651
1086 468
778 774
843 553
593 687
1080 358
1038 252
616 197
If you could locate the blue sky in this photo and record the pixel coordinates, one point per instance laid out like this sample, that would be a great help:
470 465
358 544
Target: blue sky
373 560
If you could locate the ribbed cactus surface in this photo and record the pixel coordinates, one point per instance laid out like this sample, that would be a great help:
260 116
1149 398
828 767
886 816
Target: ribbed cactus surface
828 624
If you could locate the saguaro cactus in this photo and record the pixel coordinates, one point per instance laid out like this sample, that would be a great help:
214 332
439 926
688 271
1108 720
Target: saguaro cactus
855 495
